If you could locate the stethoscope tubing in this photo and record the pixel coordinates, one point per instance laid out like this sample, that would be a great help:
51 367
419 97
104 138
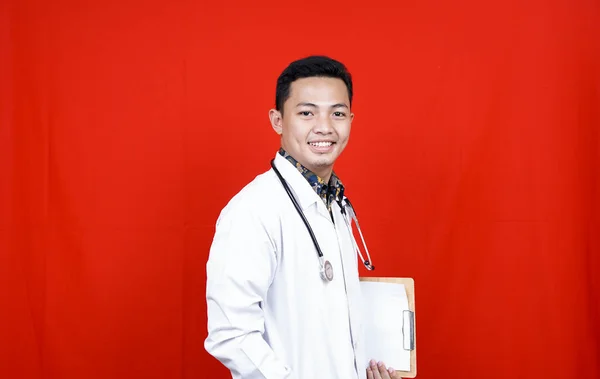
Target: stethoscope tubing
289 192
367 263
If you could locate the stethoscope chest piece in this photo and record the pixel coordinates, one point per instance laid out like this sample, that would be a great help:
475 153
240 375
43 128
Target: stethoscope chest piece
327 271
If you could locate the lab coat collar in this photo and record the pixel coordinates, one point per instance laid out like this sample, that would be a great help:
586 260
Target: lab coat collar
305 195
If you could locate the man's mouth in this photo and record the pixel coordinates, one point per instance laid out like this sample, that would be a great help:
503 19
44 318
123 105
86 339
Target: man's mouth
321 144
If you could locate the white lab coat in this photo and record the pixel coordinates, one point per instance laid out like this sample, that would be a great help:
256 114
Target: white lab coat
270 314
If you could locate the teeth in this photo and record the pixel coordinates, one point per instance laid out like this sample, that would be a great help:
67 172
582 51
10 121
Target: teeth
321 144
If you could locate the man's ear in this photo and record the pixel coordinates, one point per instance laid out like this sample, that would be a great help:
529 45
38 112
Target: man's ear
276 120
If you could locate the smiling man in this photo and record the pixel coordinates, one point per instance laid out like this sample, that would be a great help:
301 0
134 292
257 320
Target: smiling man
283 296
314 129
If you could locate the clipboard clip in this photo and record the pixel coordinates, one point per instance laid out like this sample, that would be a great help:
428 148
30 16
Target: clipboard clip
408 330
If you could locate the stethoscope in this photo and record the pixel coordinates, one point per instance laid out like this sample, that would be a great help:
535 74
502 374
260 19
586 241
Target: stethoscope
326 267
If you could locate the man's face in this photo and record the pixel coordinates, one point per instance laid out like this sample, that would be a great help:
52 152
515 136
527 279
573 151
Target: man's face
316 121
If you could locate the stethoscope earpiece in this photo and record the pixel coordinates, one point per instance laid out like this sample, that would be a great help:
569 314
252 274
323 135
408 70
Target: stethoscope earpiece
352 215
369 266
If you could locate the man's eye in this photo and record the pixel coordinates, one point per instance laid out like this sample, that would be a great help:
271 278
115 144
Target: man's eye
305 113
339 114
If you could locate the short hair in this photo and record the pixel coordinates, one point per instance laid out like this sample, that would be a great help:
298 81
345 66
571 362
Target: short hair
312 66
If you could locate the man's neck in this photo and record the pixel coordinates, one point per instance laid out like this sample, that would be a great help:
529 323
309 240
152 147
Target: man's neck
328 187
324 174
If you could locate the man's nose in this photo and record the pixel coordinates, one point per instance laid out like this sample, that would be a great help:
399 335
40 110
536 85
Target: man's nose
323 125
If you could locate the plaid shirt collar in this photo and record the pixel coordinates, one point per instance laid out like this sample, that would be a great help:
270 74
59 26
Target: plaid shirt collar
328 192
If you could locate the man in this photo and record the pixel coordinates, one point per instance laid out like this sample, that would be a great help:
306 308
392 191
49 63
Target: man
272 310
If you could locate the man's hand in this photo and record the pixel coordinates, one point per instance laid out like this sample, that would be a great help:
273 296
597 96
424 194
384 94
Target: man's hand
379 371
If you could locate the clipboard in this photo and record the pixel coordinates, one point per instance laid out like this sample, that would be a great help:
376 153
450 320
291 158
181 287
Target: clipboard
409 285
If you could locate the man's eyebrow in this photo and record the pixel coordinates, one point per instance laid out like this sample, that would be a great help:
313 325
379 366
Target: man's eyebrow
339 105
305 104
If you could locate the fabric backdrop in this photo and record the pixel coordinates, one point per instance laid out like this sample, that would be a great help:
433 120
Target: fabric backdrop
473 165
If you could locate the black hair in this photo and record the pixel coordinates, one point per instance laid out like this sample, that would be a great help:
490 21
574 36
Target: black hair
312 66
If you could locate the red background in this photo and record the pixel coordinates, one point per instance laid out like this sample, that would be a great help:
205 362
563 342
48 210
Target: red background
473 164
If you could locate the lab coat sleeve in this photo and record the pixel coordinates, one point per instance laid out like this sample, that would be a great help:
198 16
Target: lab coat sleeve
240 268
